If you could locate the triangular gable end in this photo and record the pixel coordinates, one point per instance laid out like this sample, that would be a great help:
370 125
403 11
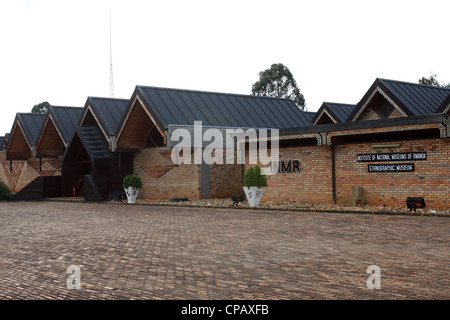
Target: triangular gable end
76 150
106 114
139 127
51 142
18 146
89 119
377 104
324 117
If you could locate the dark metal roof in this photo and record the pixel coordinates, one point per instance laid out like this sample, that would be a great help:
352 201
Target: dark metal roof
183 107
31 124
66 118
339 111
367 124
94 142
413 98
2 140
310 115
109 112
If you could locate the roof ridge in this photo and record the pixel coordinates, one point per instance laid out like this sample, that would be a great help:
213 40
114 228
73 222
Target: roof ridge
30 114
21 115
106 98
341 104
211 92
415 84
66 107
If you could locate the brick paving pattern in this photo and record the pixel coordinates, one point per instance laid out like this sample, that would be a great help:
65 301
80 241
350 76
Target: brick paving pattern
145 252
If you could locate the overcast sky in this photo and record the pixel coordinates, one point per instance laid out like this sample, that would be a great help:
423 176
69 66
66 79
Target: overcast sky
59 50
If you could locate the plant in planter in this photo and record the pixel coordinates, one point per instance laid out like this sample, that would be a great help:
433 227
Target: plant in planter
254 183
132 184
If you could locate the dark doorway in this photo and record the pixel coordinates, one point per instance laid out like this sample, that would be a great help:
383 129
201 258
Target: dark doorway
76 164
88 155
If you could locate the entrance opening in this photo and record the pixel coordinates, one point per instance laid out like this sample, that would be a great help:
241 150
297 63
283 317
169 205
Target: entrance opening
76 164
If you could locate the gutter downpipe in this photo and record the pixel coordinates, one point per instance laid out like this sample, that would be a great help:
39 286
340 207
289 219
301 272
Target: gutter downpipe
333 169
333 174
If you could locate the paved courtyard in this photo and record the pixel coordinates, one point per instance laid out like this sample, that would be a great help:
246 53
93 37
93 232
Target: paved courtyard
145 252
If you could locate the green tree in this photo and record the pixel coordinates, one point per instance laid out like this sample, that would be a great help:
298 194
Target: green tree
41 108
279 82
433 81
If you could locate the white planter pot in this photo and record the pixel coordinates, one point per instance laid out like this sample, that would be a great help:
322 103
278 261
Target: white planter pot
132 194
254 195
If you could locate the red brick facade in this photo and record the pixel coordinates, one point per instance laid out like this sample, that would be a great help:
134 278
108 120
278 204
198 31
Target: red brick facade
430 179
313 184
225 180
162 179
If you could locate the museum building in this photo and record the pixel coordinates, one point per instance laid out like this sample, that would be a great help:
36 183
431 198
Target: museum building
393 144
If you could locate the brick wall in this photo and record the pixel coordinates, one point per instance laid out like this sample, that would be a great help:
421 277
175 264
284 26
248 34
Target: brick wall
25 171
396 114
162 179
311 185
225 180
431 178
369 114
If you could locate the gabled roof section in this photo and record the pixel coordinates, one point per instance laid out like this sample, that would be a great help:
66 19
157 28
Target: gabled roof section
337 112
31 124
24 135
93 142
411 99
108 112
65 119
183 107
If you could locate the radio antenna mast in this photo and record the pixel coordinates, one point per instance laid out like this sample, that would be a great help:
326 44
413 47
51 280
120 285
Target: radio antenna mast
111 81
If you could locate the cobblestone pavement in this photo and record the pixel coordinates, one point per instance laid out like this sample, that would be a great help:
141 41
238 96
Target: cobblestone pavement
145 252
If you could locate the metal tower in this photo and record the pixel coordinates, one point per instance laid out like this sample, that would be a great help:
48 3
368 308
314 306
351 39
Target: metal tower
111 81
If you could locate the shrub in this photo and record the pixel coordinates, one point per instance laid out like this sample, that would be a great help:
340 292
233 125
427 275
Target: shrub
5 193
254 178
132 180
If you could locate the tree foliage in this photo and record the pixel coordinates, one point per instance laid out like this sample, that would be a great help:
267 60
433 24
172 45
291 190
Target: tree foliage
279 82
41 108
433 81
